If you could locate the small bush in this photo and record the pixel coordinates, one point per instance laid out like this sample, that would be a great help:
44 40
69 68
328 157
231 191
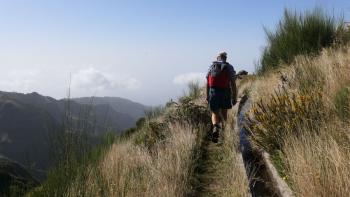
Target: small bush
190 113
152 133
299 34
284 116
140 122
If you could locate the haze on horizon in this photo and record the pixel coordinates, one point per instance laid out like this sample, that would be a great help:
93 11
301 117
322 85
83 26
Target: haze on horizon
146 51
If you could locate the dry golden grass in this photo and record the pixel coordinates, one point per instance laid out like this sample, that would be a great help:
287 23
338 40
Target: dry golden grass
317 158
330 71
234 179
131 170
318 165
265 85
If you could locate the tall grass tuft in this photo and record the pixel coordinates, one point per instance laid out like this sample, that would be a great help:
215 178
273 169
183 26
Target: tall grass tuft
318 165
154 112
194 89
193 92
300 34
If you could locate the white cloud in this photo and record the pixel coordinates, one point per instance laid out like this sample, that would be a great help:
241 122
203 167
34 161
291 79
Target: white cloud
91 79
186 78
22 80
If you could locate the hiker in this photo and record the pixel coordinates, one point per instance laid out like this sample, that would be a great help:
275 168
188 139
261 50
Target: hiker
221 92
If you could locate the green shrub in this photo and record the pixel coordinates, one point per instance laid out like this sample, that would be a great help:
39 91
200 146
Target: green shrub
126 134
187 112
140 122
299 34
151 133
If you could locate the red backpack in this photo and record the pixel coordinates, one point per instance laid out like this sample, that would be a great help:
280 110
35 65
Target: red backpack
218 76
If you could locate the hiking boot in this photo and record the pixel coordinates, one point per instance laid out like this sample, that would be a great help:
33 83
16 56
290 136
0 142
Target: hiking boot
216 134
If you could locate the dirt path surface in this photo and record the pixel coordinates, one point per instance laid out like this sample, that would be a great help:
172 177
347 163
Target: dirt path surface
210 167
219 167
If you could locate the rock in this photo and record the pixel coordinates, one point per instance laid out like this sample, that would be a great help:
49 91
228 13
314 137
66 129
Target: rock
242 72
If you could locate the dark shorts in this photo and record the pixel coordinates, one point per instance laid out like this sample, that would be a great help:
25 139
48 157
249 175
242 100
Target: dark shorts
219 99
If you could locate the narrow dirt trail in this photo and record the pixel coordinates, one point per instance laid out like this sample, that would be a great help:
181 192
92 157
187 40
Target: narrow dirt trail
219 168
209 165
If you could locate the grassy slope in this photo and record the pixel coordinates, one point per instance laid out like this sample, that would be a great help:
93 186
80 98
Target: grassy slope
308 125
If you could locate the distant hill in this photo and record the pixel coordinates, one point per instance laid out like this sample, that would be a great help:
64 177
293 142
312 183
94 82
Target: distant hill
28 123
121 105
14 174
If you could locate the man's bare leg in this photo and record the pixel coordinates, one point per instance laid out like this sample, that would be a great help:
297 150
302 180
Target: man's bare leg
215 117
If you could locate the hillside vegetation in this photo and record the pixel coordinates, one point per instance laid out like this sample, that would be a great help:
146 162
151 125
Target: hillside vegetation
301 107
302 118
301 34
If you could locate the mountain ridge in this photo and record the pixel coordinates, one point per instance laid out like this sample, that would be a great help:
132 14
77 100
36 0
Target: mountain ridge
119 104
28 123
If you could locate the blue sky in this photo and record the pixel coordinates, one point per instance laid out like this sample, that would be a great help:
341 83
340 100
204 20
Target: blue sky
142 50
